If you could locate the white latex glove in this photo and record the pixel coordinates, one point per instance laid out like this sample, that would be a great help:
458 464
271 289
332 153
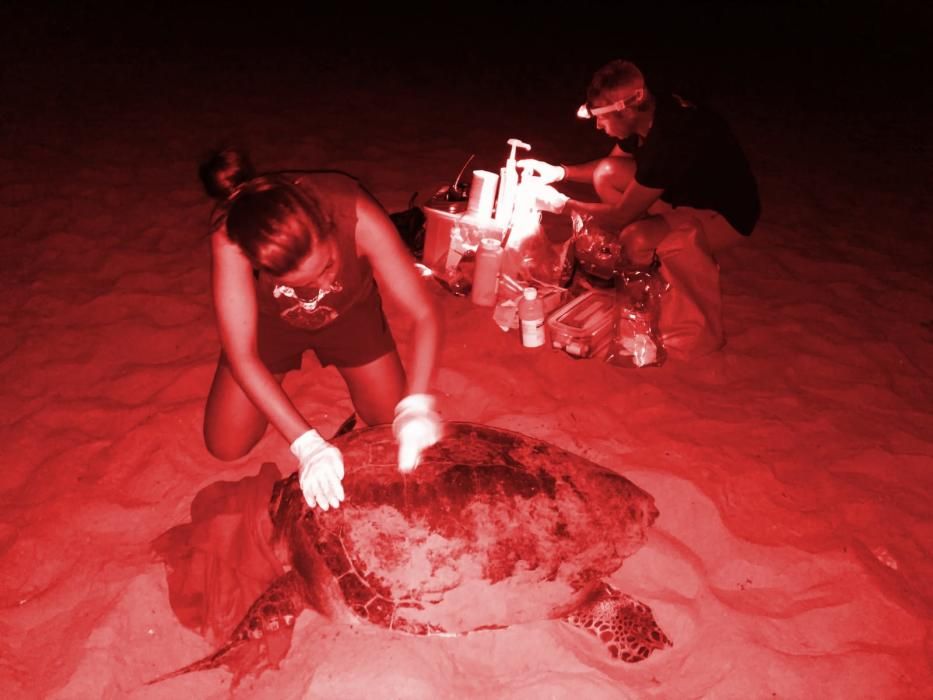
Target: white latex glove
548 173
320 470
547 198
416 427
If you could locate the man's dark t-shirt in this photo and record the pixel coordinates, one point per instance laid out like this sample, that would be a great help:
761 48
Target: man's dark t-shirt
691 153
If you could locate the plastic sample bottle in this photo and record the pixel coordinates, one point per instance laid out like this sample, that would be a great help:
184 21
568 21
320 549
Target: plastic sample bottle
531 318
486 272
482 194
508 184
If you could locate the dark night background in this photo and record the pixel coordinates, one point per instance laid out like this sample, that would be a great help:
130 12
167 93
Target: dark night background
861 67
818 54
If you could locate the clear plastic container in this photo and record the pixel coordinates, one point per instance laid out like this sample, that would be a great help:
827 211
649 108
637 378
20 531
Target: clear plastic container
583 327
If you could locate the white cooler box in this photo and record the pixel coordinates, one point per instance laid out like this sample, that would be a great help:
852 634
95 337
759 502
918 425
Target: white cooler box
439 226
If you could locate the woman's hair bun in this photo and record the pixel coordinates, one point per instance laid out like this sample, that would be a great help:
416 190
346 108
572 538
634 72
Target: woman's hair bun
224 170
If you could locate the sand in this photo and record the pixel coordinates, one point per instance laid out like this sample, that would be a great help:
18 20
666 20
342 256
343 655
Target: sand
793 469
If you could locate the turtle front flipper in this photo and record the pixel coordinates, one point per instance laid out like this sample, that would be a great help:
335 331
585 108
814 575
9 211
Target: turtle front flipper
263 636
626 626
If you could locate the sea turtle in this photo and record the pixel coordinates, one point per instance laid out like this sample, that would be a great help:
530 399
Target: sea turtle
494 528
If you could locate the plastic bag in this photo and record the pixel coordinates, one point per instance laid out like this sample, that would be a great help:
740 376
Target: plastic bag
532 258
597 250
691 308
509 293
636 337
411 227
222 560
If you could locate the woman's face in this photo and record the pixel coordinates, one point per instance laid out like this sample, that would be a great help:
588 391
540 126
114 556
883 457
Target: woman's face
317 269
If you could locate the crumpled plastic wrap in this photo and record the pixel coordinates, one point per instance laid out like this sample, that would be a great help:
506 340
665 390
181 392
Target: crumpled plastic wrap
636 336
532 258
457 275
219 562
597 249
509 293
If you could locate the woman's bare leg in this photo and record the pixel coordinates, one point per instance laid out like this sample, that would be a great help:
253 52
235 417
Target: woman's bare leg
376 388
232 424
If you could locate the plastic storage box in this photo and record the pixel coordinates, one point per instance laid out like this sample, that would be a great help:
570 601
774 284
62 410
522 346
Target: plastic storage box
439 228
583 327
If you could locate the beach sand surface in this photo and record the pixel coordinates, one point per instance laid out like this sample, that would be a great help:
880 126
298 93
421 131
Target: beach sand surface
793 469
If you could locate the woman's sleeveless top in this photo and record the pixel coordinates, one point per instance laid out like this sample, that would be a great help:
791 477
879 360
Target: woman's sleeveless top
311 308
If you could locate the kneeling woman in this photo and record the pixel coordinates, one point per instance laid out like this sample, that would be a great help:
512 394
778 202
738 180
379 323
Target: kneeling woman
296 262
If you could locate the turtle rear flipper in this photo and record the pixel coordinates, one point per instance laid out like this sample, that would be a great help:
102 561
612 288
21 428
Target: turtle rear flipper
263 636
626 626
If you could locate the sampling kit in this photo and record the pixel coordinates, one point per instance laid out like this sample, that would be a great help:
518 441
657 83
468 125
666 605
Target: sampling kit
486 240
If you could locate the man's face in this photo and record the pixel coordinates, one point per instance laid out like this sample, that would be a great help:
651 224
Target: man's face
619 124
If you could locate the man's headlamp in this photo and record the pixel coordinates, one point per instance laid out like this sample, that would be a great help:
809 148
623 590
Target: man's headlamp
587 112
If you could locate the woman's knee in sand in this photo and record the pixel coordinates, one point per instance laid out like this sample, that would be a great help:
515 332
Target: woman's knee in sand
230 445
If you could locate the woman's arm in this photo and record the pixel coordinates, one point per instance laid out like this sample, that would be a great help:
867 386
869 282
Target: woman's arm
393 266
236 310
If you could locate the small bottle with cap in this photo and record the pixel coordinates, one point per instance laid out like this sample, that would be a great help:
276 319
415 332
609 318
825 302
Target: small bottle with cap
531 318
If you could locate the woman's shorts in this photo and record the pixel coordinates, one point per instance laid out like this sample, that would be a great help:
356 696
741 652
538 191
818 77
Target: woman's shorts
359 335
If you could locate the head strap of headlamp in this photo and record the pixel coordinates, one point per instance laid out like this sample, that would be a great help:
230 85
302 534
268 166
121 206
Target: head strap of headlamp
636 98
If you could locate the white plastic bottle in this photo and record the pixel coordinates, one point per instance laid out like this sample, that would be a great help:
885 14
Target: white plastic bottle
508 184
531 318
486 272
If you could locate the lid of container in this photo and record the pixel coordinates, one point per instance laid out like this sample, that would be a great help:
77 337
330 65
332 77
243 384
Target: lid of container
530 293
491 243
441 204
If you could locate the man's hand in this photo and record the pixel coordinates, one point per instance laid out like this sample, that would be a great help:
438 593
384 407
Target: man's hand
320 470
547 172
546 198
416 427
